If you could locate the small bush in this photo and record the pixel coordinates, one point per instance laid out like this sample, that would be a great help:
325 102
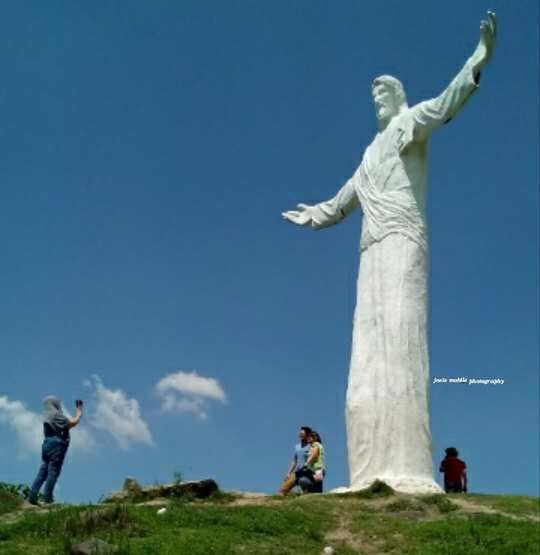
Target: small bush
377 489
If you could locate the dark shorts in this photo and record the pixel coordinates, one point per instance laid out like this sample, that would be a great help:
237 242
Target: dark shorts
451 487
306 480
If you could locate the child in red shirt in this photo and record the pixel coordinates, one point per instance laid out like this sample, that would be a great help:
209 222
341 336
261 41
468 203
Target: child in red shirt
455 475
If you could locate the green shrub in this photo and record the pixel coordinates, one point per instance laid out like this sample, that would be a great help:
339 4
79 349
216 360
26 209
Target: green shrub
377 489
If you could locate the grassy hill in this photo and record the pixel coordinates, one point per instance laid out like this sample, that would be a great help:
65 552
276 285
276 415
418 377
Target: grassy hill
370 522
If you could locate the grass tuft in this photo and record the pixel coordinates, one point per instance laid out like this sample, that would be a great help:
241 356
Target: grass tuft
9 502
443 504
402 505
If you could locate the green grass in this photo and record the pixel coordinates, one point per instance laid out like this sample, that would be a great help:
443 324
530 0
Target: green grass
404 504
9 501
197 529
476 534
443 504
11 496
513 504
380 523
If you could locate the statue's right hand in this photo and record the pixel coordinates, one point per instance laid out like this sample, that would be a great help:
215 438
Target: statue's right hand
302 216
486 45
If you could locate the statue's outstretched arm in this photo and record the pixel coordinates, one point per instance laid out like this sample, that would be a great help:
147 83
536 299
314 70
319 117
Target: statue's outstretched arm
431 114
325 213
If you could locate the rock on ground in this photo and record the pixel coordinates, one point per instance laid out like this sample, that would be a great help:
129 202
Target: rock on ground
132 491
93 546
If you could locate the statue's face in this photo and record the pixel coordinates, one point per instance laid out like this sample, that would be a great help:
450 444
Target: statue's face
385 104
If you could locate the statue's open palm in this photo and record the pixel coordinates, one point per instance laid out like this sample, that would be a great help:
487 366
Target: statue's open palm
302 216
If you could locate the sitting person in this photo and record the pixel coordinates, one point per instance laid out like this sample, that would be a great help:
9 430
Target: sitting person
310 477
56 428
301 452
455 474
315 462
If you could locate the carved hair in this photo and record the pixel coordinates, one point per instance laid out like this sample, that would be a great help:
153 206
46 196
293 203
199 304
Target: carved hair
394 86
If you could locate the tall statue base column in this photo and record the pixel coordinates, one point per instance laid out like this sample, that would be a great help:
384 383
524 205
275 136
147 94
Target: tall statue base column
387 411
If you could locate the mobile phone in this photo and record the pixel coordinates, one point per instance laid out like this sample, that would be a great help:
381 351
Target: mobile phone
78 403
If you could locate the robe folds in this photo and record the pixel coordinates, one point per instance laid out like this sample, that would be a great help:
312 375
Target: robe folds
387 407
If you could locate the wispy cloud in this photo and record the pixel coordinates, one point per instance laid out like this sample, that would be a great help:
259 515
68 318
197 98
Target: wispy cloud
27 425
116 414
28 428
188 392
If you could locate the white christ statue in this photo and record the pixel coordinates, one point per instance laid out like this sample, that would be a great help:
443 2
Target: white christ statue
387 408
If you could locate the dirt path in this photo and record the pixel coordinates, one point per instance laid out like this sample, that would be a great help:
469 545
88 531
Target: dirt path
14 516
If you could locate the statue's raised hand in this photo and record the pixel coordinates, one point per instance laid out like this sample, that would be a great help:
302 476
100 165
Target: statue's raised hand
302 216
486 44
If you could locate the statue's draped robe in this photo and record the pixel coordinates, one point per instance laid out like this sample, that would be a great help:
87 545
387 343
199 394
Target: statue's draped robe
387 410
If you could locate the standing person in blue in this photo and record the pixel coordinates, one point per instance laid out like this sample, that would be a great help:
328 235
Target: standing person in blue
301 454
56 426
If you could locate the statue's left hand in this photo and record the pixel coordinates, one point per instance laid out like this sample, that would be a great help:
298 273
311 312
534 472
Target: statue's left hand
486 44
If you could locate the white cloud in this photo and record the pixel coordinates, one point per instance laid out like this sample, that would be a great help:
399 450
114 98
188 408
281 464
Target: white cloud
28 428
27 425
188 392
115 413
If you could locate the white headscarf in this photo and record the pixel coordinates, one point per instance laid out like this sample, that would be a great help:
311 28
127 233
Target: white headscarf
53 415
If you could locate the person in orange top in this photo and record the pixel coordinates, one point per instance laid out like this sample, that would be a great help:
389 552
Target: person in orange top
455 473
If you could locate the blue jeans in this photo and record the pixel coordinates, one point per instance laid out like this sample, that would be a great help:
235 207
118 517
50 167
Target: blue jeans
53 452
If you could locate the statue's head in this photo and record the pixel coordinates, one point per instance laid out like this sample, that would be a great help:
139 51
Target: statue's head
389 97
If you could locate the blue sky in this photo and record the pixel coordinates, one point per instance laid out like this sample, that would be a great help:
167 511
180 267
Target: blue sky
148 150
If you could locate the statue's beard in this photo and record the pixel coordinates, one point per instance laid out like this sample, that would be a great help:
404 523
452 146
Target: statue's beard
384 114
